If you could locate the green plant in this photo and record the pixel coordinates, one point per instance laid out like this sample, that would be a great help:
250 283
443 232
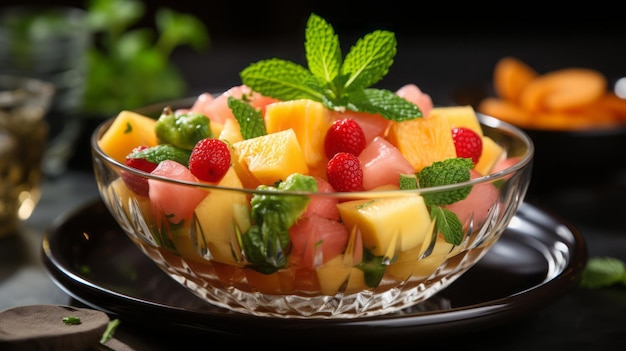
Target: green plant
130 66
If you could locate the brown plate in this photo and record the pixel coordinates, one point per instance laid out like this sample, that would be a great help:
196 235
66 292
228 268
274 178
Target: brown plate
538 259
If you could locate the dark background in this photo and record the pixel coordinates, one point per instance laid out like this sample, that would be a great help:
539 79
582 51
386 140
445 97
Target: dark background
442 47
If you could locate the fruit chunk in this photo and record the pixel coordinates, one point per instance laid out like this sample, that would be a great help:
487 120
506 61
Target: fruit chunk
335 276
388 224
510 78
174 202
382 164
423 141
492 153
309 120
272 157
128 130
563 89
219 214
460 116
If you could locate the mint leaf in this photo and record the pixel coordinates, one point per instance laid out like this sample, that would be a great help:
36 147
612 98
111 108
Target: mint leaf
446 172
368 61
408 182
339 85
159 153
250 120
323 52
603 272
448 224
386 103
280 79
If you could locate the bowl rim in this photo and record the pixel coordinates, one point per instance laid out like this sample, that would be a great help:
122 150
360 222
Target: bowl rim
492 122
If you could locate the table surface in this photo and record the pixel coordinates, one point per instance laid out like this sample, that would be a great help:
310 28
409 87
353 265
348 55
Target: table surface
582 319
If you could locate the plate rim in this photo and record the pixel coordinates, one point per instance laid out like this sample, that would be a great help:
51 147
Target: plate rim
423 324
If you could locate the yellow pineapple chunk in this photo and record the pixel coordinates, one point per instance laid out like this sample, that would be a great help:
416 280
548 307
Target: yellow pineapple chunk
231 131
272 157
219 214
423 141
333 275
388 225
460 116
492 153
309 119
128 130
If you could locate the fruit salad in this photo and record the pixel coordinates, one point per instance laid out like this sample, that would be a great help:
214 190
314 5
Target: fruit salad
308 181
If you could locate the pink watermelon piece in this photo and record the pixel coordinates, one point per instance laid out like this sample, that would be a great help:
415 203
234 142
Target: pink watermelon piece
216 108
316 240
324 206
478 203
382 164
174 201
414 94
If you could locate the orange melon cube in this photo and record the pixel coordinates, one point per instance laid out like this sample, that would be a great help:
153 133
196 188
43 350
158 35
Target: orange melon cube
128 130
423 141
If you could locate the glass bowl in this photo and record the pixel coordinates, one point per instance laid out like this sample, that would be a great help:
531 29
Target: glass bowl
383 254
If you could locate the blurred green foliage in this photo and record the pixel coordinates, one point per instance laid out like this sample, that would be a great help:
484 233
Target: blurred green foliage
129 66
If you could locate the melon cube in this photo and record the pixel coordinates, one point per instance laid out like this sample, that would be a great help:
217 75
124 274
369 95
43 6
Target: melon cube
128 130
423 141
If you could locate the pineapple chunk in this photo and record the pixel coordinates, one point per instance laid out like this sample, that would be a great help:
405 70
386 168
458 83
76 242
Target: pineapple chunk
492 153
460 116
388 225
309 119
219 214
272 157
334 274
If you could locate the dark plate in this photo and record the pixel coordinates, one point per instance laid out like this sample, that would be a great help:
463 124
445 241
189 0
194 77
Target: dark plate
538 259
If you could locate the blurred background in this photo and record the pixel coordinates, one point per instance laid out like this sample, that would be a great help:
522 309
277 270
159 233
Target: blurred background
449 51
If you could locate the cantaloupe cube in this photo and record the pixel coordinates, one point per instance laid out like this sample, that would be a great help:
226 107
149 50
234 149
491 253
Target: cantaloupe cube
492 153
128 130
388 224
272 157
460 116
309 120
423 141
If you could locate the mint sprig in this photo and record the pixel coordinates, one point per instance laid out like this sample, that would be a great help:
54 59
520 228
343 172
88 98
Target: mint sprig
601 272
340 84
440 173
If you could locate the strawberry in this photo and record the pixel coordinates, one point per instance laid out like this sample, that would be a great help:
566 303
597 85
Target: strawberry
344 135
209 160
137 184
344 172
468 143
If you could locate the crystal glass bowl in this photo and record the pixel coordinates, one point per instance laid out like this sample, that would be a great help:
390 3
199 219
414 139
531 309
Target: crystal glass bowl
407 259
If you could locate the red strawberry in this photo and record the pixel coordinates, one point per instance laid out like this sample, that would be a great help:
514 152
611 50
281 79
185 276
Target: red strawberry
209 160
468 143
137 184
344 135
344 172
